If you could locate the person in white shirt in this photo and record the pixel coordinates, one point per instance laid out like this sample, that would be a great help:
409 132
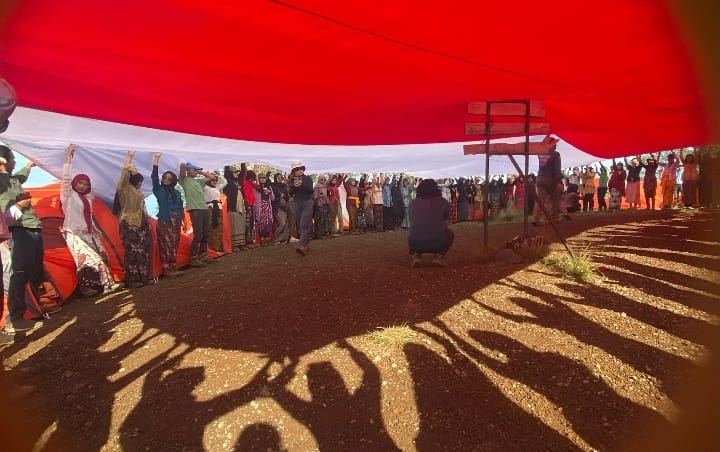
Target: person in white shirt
81 234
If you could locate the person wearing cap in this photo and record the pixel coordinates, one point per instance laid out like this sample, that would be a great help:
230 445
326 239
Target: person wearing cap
195 204
301 187
26 241
81 234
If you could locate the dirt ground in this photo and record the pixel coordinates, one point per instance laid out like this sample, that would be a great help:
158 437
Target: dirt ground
348 348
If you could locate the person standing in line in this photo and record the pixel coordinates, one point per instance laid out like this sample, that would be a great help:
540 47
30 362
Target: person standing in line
617 182
690 178
171 213
26 244
129 206
632 188
669 180
195 204
588 189
81 235
211 195
352 202
236 206
280 209
650 181
429 231
376 194
549 184
321 211
301 189
603 179
408 193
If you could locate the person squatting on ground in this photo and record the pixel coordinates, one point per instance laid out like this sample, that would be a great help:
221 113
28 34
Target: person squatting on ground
429 231
302 191
197 208
170 216
81 234
548 182
26 244
129 206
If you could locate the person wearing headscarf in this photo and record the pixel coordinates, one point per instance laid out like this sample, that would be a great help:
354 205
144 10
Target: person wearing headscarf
247 179
669 179
235 206
211 195
81 235
171 213
322 208
280 208
263 208
352 202
429 231
650 180
690 178
134 229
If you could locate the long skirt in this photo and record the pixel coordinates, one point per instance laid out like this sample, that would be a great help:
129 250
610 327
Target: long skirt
322 221
90 259
352 216
632 192
454 211
237 228
378 217
264 221
668 190
137 243
689 193
649 187
168 238
215 233
250 232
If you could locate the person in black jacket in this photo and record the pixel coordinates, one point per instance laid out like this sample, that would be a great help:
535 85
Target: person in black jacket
301 187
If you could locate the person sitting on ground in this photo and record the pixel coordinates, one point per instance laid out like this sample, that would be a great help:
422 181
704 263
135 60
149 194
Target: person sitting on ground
430 217
81 234
171 213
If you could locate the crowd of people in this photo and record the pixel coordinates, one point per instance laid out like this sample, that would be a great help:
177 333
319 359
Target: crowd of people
265 208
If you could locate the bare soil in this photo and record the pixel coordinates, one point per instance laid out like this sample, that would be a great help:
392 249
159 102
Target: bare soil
270 350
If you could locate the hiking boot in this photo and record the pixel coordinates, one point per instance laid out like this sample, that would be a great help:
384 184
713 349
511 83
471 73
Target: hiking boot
21 324
438 260
302 250
415 260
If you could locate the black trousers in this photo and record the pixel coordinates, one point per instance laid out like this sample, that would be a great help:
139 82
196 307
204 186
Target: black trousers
27 266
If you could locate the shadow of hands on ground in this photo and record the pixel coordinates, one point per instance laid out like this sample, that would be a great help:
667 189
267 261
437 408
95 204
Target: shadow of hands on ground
459 406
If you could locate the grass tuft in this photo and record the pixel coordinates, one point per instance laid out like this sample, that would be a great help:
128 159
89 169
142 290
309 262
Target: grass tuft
393 335
511 214
580 267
